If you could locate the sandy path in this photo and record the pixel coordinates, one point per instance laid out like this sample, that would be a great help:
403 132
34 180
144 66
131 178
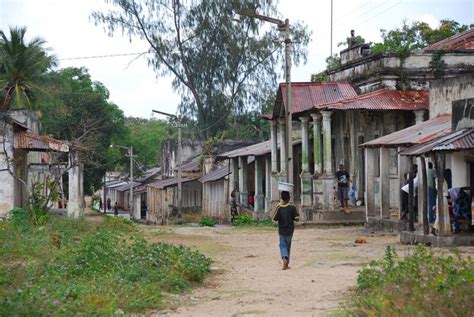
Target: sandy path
249 280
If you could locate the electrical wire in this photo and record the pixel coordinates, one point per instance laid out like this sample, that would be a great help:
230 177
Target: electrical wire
102 56
379 13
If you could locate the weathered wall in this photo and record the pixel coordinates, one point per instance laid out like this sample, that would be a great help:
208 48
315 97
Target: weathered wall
214 202
383 71
7 182
444 91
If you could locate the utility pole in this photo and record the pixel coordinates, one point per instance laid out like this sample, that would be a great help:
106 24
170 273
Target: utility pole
131 184
331 26
178 157
283 27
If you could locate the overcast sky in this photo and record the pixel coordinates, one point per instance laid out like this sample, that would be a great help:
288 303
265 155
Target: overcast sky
69 32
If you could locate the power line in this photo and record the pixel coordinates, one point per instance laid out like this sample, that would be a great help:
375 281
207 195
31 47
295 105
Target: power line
103 56
368 11
374 16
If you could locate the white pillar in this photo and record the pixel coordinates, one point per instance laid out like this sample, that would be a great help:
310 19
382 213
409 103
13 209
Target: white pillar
273 184
384 183
243 181
403 168
259 204
75 202
268 185
306 177
327 142
283 156
369 183
317 143
419 116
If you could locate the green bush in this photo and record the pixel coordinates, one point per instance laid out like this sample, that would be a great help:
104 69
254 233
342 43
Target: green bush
76 267
207 222
247 220
20 218
421 284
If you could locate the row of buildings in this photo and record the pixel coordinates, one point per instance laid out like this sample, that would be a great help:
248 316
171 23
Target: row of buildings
379 115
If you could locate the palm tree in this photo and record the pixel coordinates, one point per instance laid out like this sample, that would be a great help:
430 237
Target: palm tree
23 70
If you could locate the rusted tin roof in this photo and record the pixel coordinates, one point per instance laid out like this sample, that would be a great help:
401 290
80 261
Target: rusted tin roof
461 140
170 182
460 41
258 149
35 142
307 95
383 99
415 134
219 173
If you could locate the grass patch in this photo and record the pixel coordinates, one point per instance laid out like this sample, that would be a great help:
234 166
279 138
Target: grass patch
246 220
77 267
421 284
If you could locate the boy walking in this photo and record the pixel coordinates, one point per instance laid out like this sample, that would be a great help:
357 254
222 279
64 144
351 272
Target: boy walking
286 214
343 179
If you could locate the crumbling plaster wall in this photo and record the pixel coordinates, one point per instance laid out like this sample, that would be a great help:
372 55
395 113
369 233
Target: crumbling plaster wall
444 91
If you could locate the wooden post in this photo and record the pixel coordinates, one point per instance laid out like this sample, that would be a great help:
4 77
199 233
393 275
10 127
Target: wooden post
424 193
411 191
440 161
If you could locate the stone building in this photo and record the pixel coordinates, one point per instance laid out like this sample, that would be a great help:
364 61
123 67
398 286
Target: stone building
30 157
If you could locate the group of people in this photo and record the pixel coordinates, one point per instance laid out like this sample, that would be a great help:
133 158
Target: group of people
458 200
109 206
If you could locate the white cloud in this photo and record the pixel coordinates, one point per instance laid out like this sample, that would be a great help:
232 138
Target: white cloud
432 21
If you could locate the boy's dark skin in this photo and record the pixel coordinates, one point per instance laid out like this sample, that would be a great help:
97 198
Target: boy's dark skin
286 214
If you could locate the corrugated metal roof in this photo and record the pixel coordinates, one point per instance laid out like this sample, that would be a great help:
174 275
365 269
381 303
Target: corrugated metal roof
127 186
115 185
460 41
258 149
383 99
307 95
35 142
192 166
170 182
415 134
455 141
216 175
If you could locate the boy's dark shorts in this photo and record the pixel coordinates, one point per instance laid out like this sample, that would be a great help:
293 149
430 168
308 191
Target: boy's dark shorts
343 193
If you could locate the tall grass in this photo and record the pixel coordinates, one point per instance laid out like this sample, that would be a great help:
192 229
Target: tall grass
76 267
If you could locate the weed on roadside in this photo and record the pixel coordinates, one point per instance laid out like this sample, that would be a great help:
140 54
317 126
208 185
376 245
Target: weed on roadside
76 267
422 284
247 220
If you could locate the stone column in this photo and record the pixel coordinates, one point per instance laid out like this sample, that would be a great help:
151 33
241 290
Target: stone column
283 156
384 183
306 177
243 181
235 174
419 116
318 190
259 204
327 142
317 143
273 184
328 181
369 183
404 164
268 185
75 206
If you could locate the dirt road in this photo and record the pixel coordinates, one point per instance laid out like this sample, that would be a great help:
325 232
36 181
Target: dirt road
248 280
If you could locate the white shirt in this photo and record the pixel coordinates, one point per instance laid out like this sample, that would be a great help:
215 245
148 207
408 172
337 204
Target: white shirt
415 184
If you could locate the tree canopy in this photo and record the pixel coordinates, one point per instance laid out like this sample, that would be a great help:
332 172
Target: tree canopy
81 113
219 67
23 70
415 36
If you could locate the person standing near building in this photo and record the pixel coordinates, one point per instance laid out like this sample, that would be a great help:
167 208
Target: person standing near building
343 179
116 209
431 175
286 215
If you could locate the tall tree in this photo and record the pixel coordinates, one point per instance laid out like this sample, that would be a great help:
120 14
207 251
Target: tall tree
146 137
23 70
81 113
219 67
